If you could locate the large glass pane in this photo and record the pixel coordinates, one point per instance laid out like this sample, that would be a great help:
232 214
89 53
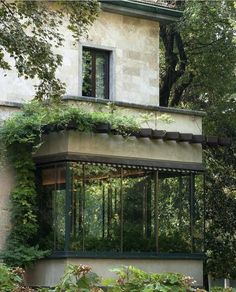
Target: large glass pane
52 210
87 87
174 214
198 214
138 190
96 223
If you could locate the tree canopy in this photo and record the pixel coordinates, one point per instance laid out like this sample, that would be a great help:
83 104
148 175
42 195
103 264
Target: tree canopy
29 32
199 53
198 67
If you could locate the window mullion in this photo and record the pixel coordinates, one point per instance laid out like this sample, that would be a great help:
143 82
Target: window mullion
156 209
121 212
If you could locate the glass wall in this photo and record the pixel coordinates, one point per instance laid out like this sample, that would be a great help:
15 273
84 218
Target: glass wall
106 208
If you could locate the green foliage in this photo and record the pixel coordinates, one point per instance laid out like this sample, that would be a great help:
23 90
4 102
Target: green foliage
136 280
208 34
12 280
221 195
220 289
78 278
32 29
198 56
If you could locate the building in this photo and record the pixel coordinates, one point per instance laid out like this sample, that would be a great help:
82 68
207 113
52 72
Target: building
107 200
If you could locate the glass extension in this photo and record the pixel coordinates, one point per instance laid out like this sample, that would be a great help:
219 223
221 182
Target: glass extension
86 207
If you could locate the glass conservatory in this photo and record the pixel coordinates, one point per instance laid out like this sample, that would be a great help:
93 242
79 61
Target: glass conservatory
96 208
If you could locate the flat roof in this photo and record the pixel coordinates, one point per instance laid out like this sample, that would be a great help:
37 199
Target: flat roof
141 9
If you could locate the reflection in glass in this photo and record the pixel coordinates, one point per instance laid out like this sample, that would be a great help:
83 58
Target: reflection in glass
52 211
92 207
95 73
87 74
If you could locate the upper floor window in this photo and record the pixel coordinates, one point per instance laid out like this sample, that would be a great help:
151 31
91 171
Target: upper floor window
95 73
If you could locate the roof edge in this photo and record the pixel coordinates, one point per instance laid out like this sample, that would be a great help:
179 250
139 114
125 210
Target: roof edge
141 10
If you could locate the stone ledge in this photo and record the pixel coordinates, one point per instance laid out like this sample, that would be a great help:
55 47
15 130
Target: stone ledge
136 106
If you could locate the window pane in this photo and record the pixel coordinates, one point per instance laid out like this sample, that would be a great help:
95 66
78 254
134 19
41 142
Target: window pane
87 89
101 75
52 210
96 193
138 210
174 214
95 73
198 214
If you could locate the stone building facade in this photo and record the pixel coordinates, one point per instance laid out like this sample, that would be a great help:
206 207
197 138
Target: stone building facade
123 43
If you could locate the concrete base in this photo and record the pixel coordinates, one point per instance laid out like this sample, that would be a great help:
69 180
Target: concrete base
48 272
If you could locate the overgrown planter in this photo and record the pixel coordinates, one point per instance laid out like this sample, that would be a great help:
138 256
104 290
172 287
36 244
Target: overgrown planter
171 136
198 139
212 140
145 133
102 128
185 137
46 129
72 125
158 134
224 141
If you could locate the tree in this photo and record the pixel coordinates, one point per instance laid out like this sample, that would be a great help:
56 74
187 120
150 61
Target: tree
198 71
221 190
199 53
29 32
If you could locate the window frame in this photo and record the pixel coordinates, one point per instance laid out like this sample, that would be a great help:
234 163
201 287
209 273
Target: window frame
110 79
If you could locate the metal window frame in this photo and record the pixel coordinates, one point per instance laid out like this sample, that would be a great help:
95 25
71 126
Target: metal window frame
107 72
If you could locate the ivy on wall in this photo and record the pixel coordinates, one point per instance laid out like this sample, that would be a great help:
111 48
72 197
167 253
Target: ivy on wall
20 136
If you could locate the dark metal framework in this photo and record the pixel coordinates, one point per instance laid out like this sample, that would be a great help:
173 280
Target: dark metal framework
157 175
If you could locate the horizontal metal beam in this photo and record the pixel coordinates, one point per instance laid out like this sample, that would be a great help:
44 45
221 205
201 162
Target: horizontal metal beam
161 165
129 255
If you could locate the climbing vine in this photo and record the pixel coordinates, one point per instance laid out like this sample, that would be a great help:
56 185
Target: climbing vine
20 136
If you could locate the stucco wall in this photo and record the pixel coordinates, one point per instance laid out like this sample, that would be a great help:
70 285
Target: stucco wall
48 272
134 43
116 146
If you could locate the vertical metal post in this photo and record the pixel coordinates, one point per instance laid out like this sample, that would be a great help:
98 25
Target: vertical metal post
103 211
68 207
180 201
144 229
83 207
204 212
192 195
156 199
121 212
54 211
108 211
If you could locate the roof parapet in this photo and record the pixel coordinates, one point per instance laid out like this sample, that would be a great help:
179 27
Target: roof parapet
141 9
